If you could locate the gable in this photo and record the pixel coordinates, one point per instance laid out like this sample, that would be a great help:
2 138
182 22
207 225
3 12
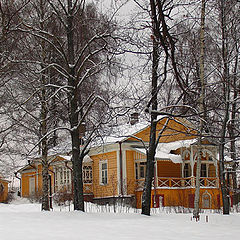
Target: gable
177 129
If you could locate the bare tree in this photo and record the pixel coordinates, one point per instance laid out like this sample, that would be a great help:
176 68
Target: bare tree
10 17
83 49
201 110
229 66
163 43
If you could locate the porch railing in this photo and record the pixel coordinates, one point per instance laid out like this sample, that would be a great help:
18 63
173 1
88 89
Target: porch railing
209 182
167 182
174 182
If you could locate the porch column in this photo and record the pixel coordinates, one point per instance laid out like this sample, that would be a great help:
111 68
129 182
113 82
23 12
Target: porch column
192 166
37 178
216 169
182 165
192 161
156 174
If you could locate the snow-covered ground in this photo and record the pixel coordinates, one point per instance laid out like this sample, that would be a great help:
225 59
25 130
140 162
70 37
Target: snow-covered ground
22 220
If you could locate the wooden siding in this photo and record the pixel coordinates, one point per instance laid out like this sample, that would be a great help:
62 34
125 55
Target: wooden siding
168 169
111 188
211 170
4 193
174 132
31 173
25 182
131 178
182 197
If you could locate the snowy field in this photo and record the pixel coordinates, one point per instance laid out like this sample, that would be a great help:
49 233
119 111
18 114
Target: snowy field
25 221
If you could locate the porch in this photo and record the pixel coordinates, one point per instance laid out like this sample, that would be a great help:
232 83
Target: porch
178 168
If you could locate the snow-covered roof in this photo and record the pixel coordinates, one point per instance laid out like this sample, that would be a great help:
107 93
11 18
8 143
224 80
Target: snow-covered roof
114 134
163 150
3 180
86 159
62 148
228 159
123 132
66 157
120 133
176 145
163 155
109 135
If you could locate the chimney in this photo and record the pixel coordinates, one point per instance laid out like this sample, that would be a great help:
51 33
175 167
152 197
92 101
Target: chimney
134 118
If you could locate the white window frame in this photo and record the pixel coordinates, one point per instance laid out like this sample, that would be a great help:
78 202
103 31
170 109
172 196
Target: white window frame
101 172
32 186
138 166
87 174
62 178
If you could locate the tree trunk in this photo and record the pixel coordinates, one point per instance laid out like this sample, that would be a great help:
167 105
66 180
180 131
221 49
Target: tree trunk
44 147
201 111
232 130
44 112
226 96
45 177
146 198
233 149
224 187
74 115
45 174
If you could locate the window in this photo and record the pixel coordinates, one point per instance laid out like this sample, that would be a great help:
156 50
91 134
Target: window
140 170
87 174
65 175
187 170
103 172
62 178
61 175
203 170
68 176
136 170
31 185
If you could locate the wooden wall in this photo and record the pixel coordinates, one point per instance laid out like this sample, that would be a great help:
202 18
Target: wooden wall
131 178
31 173
4 194
168 169
174 132
184 197
111 188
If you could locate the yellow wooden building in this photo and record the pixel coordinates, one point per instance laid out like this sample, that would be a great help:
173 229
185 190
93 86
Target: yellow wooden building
3 190
115 168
